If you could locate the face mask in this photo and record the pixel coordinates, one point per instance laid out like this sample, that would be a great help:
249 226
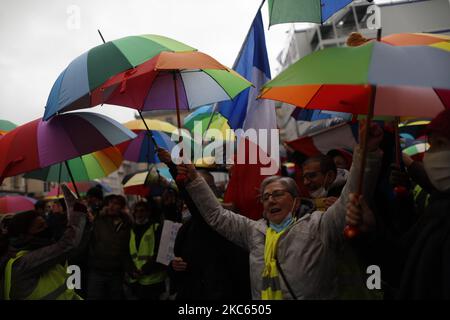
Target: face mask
437 167
320 192
285 223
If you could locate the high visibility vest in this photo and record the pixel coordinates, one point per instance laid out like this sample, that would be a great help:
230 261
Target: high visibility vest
271 288
143 254
51 285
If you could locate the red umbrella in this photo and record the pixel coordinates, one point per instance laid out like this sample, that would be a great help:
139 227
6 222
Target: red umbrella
14 204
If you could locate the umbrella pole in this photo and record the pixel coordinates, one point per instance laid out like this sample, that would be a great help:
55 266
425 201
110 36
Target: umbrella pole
367 129
73 180
210 120
397 141
366 138
150 134
59 179
181 178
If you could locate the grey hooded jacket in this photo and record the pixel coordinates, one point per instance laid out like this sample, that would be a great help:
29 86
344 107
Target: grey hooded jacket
307 249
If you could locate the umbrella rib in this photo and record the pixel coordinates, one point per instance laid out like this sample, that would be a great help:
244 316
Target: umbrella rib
219 84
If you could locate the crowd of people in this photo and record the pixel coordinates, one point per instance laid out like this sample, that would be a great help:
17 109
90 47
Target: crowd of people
297 250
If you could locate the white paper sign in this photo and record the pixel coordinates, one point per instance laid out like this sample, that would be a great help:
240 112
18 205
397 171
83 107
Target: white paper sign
168 235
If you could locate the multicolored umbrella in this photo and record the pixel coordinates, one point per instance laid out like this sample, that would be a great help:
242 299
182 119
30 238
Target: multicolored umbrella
82 187
204 118
410 81
417 150
87 167
142 148
317 11
140 72
39 144
6 126
142 183
14 204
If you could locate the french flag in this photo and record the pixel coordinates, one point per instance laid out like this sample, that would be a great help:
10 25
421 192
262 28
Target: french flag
247 112
340 136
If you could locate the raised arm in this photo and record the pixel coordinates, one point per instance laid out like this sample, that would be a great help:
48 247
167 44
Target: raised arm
42 259
232 226
332 221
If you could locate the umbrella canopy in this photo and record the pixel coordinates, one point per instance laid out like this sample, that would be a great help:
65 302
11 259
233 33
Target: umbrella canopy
415 39
6 126
142 183
417 150
14 204
138 69
205 117
82 188
142 148
39 144
410 81
87 167
172 80
317 11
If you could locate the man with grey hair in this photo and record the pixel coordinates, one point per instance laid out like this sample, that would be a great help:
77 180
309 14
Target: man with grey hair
291 258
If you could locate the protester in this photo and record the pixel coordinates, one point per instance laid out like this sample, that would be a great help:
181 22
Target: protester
147 279
34 267
57 218
41 207
94 198
206 266
289 258
108 253
323 180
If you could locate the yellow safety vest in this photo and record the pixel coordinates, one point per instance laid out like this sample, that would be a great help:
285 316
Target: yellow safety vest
51 285
271 289
146 251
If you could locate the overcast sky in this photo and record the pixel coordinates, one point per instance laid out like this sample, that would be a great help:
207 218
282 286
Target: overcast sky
40 38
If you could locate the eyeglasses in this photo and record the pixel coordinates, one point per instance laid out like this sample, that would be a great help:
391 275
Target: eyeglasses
276 194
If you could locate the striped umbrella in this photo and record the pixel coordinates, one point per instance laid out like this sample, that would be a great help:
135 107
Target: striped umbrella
138 72
39 144
87 167
142 183
342 79
204 118
14 204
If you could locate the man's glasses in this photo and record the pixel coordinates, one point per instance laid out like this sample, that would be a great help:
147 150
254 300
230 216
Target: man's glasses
310 175
276 194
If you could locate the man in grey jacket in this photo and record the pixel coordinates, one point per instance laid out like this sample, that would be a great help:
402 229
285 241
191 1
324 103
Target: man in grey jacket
304 250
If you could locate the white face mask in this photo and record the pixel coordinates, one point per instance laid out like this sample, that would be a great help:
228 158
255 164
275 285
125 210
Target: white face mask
437 166
319 193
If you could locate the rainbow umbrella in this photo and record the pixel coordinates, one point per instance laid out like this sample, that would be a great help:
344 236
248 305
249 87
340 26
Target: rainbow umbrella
14 204
142 183
39 144
82 187
87 167
316 11
142 72
417 150
6 126
202 119
143 147
405 81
